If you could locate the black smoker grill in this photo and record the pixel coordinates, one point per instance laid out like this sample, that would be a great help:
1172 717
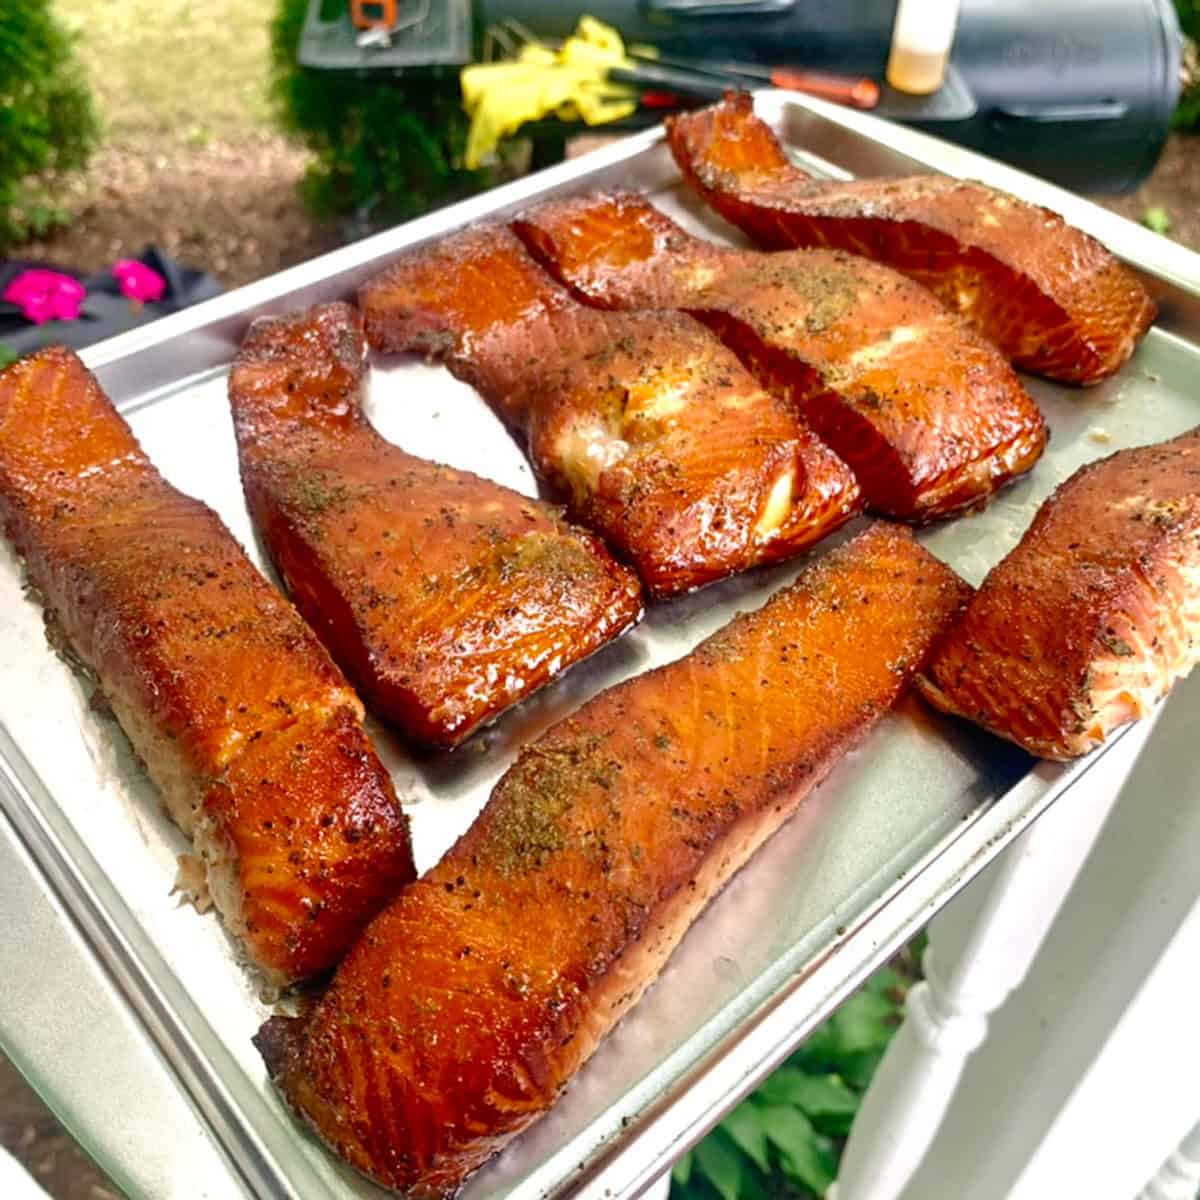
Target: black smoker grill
1080 93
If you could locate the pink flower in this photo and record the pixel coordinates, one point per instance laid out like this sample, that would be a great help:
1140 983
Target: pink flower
46 296
138 281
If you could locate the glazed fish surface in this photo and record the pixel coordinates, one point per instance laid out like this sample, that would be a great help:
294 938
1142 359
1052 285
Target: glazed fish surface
1094 615
243 722
928 415
444 597
1051 297
469 1004
645 424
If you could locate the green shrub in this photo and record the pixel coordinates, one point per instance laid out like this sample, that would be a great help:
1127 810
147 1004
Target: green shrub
389 144
47 122
1187 115
785 1140
1189 17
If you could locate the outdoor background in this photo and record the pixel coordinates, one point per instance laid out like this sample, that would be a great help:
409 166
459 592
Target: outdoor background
192 159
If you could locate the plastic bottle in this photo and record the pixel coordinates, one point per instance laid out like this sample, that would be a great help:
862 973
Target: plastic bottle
921 41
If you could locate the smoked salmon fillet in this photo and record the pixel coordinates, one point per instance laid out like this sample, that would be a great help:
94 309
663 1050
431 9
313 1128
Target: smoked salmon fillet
1051 297
925 412
1094 615
444 597
468 1005
645 424
241 719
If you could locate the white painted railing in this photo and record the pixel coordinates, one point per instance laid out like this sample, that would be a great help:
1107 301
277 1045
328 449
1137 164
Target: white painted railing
1090 1079
15 1182
1179 1177
980 948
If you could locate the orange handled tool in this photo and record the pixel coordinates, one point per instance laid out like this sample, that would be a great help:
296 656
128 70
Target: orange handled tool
859 92
374 14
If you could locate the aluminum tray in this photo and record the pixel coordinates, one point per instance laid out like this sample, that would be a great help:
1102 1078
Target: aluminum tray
167 1091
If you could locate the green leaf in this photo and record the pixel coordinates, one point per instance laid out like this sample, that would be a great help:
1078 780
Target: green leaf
820 1050
865 1021
785 1127
815 1095
746 1131
1189 16
784 1087
681 1172
757 1187
717 1157
1158 219
859 1069
805 1156
885 980
917 947
7 355
814 1165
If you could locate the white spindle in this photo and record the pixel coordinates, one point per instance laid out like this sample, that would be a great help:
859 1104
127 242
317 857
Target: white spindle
15 1182
1179 1177
981 946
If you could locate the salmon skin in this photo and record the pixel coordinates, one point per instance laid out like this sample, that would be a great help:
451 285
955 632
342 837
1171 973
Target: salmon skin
246 726
1094 615
927 414
1051 297
444 597
469 1004
650 429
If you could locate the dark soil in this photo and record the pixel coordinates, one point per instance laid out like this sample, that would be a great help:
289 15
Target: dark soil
1174 187
32 1135
230 207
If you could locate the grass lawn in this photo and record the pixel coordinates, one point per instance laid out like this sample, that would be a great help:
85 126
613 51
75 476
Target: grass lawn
187 69
190 159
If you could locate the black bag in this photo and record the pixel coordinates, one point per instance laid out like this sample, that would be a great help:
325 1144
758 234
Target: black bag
105 310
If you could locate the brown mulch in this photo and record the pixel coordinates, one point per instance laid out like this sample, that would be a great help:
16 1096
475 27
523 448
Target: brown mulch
230 207
31 1134
1174 187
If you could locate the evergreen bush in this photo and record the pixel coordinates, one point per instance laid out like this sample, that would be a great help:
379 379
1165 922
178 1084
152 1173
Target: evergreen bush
48 124
1187 115
386 144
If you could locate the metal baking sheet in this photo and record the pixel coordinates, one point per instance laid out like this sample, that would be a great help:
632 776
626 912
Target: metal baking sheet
895 831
